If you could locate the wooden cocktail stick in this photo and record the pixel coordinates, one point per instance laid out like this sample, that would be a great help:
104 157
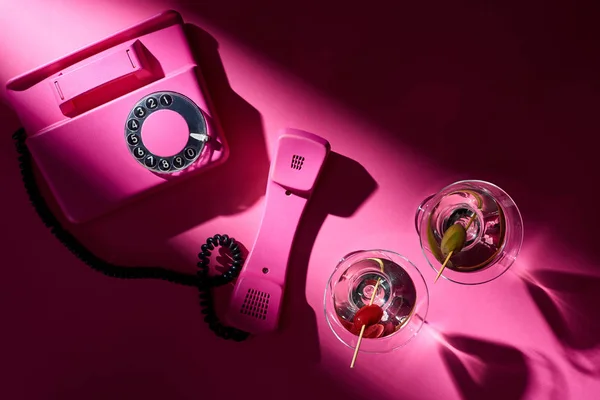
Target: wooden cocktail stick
443 266
362 329
450 254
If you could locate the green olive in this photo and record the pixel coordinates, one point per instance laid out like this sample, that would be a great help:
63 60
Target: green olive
454 239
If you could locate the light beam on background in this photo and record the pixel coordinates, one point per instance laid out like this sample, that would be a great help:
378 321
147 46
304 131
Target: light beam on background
35 32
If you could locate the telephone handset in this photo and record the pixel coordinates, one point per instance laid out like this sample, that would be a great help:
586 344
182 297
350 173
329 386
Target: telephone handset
256 303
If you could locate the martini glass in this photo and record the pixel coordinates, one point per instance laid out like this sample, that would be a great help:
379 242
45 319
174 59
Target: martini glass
401 293
493 239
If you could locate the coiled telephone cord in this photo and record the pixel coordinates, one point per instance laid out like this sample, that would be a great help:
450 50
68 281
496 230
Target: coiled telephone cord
201 279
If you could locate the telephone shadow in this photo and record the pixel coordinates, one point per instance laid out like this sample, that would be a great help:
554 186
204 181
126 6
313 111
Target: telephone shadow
485 370
227 189
569 303
343 187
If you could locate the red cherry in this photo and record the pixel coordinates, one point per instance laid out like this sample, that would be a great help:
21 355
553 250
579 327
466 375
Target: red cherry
346 324
389 328
368 315
374 331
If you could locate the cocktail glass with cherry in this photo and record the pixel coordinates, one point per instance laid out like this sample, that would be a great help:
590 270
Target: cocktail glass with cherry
380 290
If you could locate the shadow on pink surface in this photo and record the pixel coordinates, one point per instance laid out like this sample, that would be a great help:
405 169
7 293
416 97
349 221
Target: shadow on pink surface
343 187
568 301
485 370
482 369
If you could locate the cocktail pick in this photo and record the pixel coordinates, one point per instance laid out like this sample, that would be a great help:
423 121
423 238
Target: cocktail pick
368 321
453 241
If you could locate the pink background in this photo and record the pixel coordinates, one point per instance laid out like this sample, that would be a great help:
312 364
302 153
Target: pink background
412 97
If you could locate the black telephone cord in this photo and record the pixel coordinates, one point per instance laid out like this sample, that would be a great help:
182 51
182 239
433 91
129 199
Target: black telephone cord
201 280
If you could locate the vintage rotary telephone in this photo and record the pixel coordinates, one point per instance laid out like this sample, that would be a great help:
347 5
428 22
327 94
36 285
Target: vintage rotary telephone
122 118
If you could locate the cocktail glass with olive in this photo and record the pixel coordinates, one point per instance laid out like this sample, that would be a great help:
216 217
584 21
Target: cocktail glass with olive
476 220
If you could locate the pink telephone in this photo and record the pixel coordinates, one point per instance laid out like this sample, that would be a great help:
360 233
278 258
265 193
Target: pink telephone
118 119
128 115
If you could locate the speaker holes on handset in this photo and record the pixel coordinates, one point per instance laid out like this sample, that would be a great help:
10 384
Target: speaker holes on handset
256 304
297 162
265 270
